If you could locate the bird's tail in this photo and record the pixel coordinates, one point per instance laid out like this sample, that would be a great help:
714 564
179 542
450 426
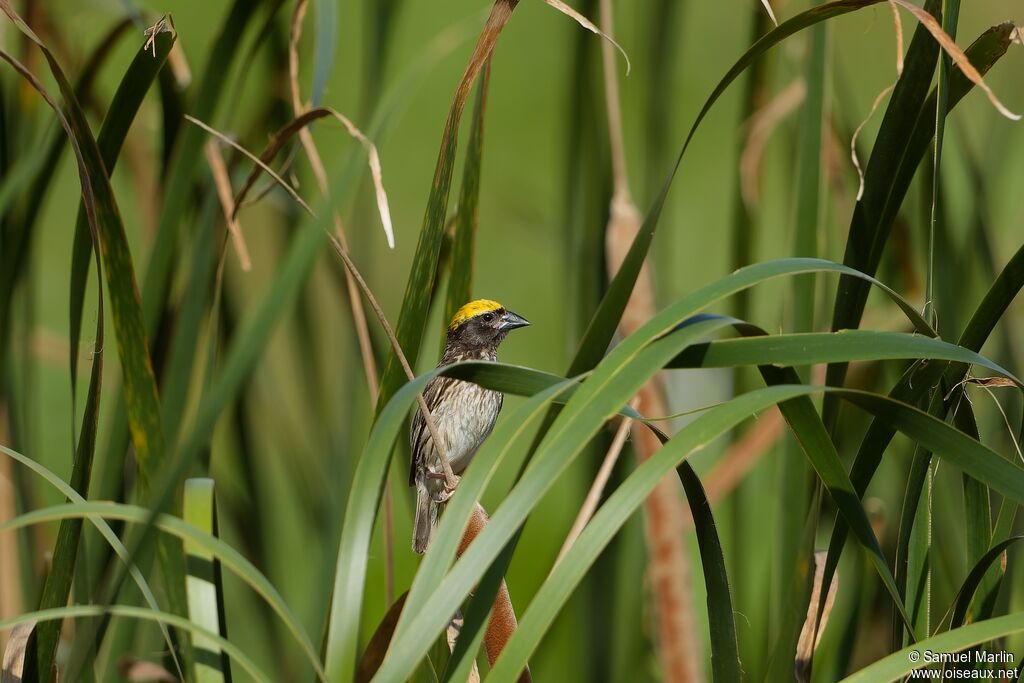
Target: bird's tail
426 517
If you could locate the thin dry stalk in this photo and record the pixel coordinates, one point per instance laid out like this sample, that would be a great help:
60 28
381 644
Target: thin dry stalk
502 623
587 24
768 8
222 181
596 489
669 567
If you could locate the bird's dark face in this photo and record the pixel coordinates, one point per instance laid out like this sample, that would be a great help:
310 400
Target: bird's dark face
481 326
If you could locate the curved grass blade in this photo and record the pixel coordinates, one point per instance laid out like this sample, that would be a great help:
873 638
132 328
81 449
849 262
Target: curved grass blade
122 111
41 168
974 580
809 348
227 555
725 655
104 529
163 618
886 157
107 227
899 664
140 387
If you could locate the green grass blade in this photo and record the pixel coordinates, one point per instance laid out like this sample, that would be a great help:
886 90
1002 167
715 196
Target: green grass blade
325 42
343 631
122 112
916 382
101 526
227 555
41 168
899 664
99 199
795 484
828 347
163 618
974 580
203 584
958 448
105 223
886 157
725 655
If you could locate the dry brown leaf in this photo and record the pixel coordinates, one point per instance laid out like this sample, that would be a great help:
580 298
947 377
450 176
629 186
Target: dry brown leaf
222 181
375 172
771 14
991 381
810 636
898 26
957 55
14 653
587 24
299 125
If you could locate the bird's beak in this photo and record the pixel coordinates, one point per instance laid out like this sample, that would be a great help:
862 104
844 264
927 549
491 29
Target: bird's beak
510 321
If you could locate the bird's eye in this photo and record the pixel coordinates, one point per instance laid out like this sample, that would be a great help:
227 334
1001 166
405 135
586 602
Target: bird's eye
488 317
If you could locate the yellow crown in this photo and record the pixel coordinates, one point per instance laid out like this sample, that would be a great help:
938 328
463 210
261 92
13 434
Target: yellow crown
473 309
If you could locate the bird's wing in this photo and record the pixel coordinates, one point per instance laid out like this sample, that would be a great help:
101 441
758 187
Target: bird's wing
419 435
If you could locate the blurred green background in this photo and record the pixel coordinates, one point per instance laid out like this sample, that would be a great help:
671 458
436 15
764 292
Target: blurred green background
284 455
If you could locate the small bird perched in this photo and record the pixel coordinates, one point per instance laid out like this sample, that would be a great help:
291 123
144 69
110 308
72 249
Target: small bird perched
463 413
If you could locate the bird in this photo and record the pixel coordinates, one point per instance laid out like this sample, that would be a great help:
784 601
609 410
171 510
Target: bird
462 412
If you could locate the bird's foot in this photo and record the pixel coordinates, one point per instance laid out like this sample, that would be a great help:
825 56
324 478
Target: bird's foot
449 490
